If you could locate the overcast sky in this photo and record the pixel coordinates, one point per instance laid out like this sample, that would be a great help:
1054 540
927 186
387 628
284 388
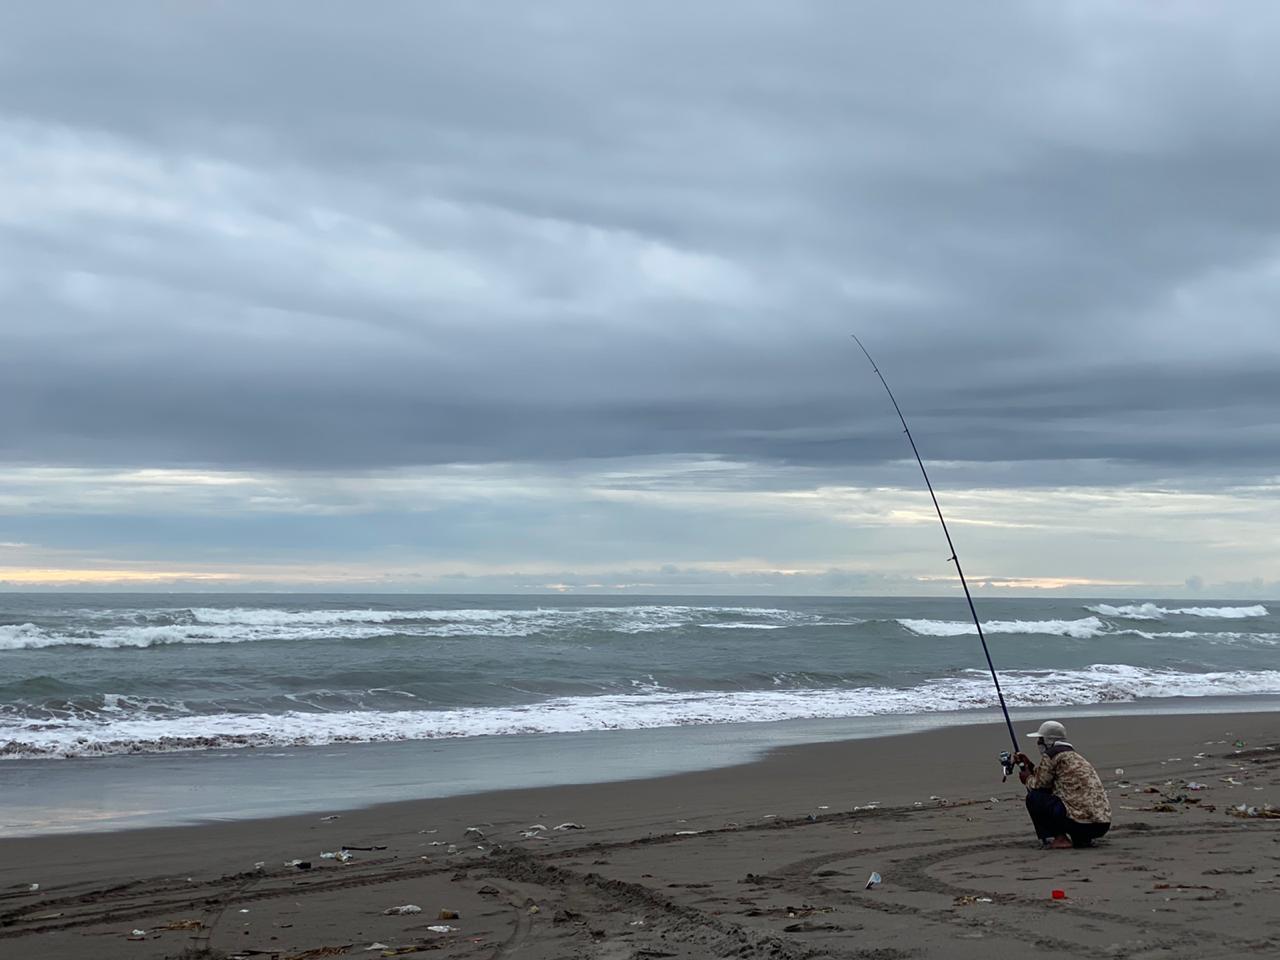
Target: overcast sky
459 296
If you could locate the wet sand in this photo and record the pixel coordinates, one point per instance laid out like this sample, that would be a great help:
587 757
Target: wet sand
767 859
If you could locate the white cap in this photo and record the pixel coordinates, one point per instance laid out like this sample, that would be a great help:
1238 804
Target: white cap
1051 731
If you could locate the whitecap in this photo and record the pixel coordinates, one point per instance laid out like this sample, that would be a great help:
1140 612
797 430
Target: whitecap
1099 683
1141 611
1083 628
1151 611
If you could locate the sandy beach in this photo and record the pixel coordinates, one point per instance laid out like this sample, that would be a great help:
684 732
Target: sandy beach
766 859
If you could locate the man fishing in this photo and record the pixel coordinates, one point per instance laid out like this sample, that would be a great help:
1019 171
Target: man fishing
1065 796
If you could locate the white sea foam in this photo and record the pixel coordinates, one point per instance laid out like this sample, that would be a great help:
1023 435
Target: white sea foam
1141 611
28 636
1100 683
201 625
1150 611
1081 629
1227 613
744 626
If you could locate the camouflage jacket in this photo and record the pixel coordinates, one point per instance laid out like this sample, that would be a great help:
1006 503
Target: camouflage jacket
1073 780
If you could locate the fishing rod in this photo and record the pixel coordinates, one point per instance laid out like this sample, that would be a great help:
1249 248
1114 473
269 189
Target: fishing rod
1005 759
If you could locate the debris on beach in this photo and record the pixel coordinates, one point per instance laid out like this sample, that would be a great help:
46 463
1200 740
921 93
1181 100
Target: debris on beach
442 928
804 910
377 946
300 864
1266 811
406 910
873 881
332 816
686 833
449 915
137 935
342 856
313 954
473 833
182 925
570 826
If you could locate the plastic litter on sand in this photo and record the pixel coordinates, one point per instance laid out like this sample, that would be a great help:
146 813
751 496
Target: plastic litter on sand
407 909
873 881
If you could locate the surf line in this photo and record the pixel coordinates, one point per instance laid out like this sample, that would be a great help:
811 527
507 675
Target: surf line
1013 738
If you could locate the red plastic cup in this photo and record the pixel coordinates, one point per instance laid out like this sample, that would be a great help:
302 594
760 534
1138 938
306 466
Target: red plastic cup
1059 894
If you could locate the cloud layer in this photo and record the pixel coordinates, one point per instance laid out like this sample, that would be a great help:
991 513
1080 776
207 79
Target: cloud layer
344 247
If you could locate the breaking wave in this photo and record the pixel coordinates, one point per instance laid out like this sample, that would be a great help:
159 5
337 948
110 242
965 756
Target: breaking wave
130 730
202 625
1150 611
1081 629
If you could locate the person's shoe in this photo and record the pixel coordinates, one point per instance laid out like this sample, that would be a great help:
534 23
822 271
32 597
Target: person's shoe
1060 843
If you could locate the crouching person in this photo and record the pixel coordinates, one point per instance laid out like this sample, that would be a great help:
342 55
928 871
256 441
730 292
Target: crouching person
1065 796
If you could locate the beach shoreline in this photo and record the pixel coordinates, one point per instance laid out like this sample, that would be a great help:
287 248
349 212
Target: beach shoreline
663 838
182 788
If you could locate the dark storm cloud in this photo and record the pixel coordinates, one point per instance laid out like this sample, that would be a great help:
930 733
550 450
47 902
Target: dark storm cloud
310 236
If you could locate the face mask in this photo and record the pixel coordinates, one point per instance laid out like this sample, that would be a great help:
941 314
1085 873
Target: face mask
1044 747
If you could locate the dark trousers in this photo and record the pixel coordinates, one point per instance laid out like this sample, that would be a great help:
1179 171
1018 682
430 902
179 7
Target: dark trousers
1050 818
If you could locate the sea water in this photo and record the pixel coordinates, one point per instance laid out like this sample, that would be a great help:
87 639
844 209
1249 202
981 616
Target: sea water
170 689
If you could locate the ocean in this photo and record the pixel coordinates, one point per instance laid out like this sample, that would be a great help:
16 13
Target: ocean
102 680
86 675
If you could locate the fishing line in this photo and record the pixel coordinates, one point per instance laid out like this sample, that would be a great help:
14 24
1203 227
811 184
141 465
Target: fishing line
947 533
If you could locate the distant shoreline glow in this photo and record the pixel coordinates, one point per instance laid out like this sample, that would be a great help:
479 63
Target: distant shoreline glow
50 577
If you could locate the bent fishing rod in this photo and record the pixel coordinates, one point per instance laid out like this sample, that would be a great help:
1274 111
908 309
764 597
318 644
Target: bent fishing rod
1006 762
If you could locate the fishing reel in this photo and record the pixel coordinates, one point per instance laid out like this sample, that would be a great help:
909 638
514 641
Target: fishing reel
1007 763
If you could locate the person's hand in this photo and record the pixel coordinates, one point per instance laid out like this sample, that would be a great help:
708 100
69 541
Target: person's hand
1022 760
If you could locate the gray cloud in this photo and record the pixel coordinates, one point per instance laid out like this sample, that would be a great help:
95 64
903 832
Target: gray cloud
311 237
